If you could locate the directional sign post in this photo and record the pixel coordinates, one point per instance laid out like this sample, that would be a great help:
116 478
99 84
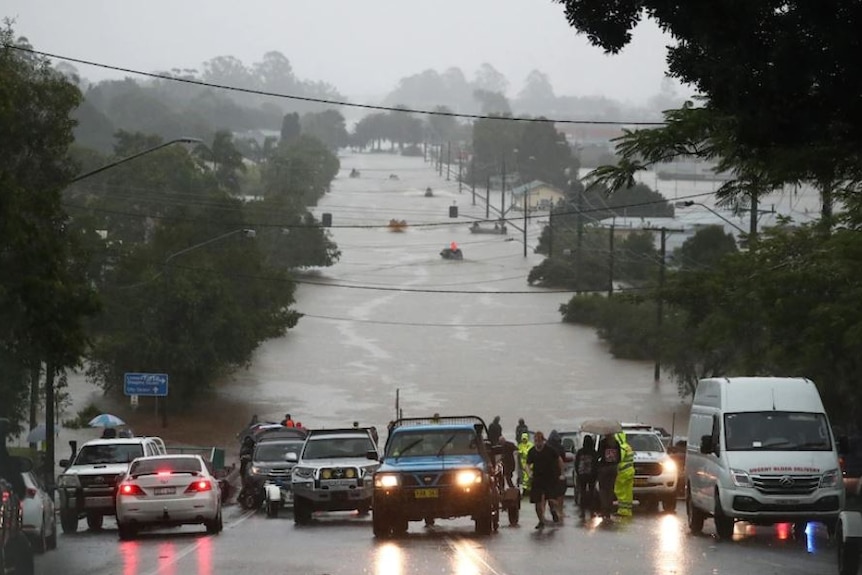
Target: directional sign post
149 385
146 384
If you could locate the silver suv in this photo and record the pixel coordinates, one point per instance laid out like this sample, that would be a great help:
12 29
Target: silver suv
335 472
655 470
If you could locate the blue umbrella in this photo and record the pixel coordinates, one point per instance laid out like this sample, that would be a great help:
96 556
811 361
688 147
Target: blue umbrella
106 420
36 434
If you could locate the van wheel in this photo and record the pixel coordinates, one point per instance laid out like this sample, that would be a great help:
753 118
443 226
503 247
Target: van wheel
668 504
723 523
302 510
694 516
848 553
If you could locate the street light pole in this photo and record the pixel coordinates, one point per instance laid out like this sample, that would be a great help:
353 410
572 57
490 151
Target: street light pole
689 203
50 445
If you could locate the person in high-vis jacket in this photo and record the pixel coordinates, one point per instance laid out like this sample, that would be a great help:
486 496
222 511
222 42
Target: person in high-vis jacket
525 477
625 482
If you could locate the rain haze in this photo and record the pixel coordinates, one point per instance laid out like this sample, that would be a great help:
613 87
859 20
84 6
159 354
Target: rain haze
362 49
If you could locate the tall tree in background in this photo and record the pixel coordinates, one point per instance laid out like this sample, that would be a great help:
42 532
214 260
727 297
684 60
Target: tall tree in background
290 129
44 296
327 126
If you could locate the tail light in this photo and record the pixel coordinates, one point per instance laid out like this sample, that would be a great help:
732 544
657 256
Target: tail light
130 489
200 486
31 493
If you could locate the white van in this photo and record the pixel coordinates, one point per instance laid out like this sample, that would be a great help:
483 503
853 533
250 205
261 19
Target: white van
760 450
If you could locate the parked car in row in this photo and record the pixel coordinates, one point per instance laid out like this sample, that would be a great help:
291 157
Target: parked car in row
38 519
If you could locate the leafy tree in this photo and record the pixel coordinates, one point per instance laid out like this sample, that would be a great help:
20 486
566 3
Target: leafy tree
442 128
537 96
543 154
327 126
492 103
704 249
490 79
227 162
290 130
44 295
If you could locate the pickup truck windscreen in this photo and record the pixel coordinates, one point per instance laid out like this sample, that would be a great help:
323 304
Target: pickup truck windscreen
114 453
337 447
432 443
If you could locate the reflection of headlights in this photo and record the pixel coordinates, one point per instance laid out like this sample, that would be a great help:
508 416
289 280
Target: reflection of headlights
68 481
468 477
829 479
740 478
386 480
326 474
303 473
668 465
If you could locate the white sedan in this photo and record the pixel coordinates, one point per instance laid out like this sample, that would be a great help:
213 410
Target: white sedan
166 491
38 515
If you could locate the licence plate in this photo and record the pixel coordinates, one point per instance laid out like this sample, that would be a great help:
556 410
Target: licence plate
164 490
98 501
785 502
425 493
641 482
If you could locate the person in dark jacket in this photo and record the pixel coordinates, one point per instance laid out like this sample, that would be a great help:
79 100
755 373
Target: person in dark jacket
507 458
495 430
521 429
555 441
586 469
609 456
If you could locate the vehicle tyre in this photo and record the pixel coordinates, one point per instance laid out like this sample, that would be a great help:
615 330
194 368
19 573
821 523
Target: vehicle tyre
19 553
69 520
51 540
248 500
848 553
694 516
799 529
668 504
380 524
495 520
95 521
39 542
723 523
400 525
271 509
484 522
220 522
650 505
126 532
213 525
302 510
364 507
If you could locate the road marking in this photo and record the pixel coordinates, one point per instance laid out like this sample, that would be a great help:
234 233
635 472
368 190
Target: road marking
193 546
462 547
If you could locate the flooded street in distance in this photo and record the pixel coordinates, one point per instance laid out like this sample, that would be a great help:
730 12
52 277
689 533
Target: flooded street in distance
455 337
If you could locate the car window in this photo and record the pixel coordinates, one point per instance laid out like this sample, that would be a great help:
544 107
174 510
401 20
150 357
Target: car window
645 442
436 443
333 448
277 451
111 453
167 464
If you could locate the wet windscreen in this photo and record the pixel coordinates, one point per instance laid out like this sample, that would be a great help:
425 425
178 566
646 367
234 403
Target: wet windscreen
113 453
337 447
777 431
645 442
166 465
432 443
277 451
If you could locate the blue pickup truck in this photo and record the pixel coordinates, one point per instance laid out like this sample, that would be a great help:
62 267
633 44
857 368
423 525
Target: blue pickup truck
436 468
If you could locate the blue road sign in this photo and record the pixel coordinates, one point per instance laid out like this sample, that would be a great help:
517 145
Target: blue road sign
146 384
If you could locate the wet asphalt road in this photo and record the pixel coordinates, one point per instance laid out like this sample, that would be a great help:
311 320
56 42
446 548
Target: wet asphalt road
342 543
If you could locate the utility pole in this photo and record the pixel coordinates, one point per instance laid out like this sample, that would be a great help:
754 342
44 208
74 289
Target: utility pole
611 263
525 222
551 232
488 198
503 194
473 178
459 171
425 151
448 159
659 301
440 159
580 230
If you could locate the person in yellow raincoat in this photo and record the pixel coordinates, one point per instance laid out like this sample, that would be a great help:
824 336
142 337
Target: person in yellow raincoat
625 482
525 477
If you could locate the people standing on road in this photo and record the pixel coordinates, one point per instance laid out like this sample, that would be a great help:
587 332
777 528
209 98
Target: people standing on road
546 465
555 441
625 480
524 447
521 429
495 430
246 451
507 458
609 457
288 421
586 470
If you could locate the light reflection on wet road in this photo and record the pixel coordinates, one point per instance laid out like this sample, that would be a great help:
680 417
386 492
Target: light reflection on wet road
342 543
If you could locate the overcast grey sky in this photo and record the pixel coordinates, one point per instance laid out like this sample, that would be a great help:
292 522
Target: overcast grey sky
362 47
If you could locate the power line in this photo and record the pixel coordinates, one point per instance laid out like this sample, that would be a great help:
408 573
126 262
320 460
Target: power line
322 100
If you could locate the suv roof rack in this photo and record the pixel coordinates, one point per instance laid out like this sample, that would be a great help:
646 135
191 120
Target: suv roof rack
336 430
471 420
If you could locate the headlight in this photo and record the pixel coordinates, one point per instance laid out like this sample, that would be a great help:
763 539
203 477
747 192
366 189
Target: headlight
303 473
668 465
326 474
350 473
255 470
68 481
829 479
386 480
740 478
468 477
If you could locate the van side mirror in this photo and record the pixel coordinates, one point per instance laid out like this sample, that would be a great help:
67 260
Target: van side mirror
706 445
291 456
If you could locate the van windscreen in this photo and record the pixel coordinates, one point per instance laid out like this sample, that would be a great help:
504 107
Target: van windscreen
776 431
